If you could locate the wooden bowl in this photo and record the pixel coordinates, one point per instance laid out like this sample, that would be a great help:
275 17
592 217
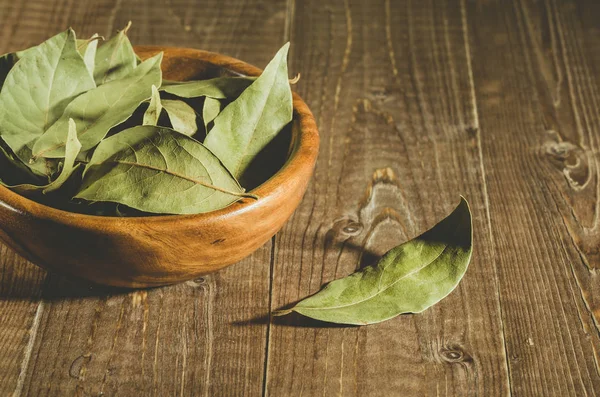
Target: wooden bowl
159 250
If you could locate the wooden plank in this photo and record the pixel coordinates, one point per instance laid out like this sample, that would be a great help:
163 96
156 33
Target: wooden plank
537 92
63 338
390 85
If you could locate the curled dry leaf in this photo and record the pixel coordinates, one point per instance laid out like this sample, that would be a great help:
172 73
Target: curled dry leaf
408 279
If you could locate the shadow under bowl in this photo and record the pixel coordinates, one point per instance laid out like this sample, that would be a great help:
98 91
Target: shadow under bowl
157 250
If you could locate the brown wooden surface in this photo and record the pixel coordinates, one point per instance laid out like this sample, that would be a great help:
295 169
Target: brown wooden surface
417 102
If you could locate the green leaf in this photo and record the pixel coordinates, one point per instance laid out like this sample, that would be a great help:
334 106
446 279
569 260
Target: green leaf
181 115
408 279
115 59
210 110
250 122
87 48
37 90
152 114
158 170
72 150
100 109
7 61
13 171
218 88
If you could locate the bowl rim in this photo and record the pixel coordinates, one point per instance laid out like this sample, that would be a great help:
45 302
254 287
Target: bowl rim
303 155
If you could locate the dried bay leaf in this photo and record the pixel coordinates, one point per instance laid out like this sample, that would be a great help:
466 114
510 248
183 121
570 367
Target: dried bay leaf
251 121
87 48
36 92
152 114
408 279
158 170
68 167
115 59
100 109
210 110
14 171
181 115
218 88
7 61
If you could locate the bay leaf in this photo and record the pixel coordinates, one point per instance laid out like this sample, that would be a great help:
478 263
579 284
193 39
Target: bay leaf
87 48
152 114
100 109
251 121
210 110
13 171
408 279
37 90
7 61
218 88
181 115
68 166
158 170
115 59
72 149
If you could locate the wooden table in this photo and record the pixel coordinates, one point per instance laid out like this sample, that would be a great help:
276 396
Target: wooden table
417 102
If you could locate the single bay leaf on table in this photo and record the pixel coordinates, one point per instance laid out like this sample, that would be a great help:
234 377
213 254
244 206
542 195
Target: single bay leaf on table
408 279
36 92
210 110
68 167
100 109
152 114
158 170
251 121
218 88
181 115
115 59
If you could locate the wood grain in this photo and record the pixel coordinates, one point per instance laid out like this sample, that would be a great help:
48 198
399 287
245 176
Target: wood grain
61 338
417 102
392 90
539 143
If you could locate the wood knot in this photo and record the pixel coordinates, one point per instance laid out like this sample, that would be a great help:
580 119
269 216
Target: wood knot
353 228
196 283
471 132
454 355
77 365
384 175
571 160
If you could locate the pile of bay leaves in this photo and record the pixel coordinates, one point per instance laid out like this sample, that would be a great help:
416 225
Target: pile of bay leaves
91 128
